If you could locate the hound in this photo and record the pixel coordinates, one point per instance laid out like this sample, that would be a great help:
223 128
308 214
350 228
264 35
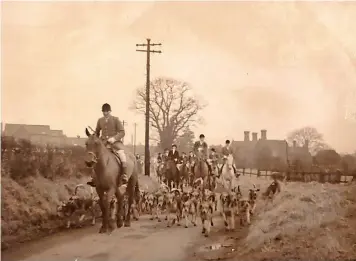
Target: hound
272 190
76 205
253 199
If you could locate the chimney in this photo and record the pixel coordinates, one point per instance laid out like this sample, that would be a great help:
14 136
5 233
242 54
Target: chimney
263 134
294 143
254 136
306 144
247 136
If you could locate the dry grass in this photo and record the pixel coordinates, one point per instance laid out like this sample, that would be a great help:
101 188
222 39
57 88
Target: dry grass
29 211
309 221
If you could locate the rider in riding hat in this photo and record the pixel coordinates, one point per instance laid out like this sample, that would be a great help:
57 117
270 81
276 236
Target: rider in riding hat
226 151
159 157
165 155
173 154
213 156
191 159
203 146
112 131
184 156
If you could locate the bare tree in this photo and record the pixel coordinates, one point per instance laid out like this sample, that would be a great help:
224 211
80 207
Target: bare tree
172 108
310 134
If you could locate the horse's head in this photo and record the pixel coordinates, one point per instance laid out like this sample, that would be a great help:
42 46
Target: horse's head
92 147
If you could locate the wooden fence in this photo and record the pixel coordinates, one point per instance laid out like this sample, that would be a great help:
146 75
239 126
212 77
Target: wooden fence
304 176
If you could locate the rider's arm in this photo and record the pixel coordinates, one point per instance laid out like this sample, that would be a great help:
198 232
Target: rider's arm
98 128
119 129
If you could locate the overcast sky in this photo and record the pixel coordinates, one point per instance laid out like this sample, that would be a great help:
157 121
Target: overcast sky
277 66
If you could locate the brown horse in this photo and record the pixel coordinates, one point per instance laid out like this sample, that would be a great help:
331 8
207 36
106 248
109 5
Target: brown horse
172 173
108 181
201 169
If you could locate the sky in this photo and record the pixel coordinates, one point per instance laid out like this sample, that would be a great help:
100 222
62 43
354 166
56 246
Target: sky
258 65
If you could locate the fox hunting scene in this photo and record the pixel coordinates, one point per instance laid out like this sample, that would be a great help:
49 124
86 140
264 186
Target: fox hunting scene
175 131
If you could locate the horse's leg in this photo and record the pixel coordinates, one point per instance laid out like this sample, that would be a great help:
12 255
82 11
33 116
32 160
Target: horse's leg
119 213
107 201
103 228
131 195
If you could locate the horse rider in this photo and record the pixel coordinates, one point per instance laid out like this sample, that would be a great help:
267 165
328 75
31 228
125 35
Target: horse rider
183 157
203 146
159 158
165 155
174 154
191 159
227 151
214 157
112 132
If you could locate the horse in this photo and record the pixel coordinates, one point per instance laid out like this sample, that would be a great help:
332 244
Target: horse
227 172
171 173
201 169
107 168
185 172
160 170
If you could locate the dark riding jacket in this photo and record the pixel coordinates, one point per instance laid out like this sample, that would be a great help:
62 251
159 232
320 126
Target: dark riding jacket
174 156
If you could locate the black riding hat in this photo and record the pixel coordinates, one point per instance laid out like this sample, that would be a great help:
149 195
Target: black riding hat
174 146
213 149
106 107
201 136
227 142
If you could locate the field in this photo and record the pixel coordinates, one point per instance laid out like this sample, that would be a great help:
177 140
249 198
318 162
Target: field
309 221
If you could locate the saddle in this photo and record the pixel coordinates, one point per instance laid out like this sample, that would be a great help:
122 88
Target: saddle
116 157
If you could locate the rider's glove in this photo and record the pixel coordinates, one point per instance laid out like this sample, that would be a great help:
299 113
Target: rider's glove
111 140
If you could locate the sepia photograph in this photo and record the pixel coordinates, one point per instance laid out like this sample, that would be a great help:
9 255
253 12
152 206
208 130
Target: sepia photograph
178 130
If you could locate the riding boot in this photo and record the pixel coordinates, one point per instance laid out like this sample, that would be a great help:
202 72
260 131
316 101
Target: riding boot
122 155
124 178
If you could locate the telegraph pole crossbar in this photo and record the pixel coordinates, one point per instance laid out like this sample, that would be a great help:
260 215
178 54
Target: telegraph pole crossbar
148 50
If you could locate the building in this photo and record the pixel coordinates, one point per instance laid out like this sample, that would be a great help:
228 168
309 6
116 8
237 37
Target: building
41 135
250 152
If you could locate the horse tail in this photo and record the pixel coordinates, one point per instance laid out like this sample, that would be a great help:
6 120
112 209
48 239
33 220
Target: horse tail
76 188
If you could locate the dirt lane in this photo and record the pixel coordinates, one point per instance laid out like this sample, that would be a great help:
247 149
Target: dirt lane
145 240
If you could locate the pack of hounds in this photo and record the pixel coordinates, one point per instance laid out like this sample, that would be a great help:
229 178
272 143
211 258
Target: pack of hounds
178 205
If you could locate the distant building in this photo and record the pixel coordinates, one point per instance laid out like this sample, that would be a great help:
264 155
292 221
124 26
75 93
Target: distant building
247 152
41 135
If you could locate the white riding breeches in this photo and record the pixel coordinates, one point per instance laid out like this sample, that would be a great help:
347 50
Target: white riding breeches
122 155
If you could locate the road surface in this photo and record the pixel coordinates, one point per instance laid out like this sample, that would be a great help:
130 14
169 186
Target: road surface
144 240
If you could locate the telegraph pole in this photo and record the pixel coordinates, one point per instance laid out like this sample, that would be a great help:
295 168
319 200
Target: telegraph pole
134 143
148 51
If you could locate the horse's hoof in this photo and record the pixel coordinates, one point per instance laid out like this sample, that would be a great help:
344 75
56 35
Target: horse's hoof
206 235
166 218
119 223
135 218
225 223
195 224
159 220
203 231
186 226
102 230
127 224
151 218
178 225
